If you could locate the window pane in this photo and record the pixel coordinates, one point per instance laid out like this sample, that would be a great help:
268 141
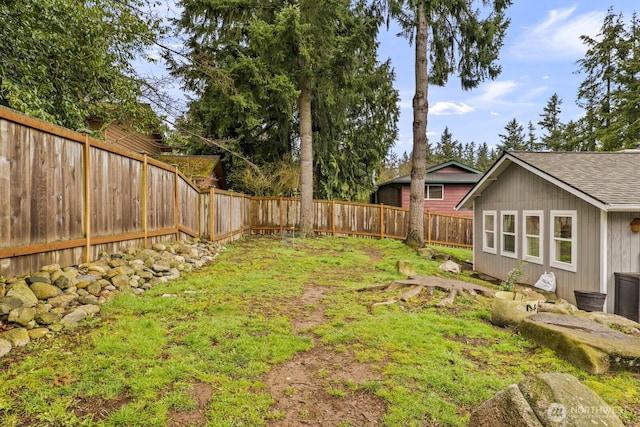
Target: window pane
533 246
563 251
509 243
562 227
434 191
488 222
489 240
533 225
509 224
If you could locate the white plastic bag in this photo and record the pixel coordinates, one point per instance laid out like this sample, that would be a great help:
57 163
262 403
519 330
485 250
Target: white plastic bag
546 282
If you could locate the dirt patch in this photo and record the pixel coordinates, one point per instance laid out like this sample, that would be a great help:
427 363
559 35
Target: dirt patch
321 387
309 309
200 393
100 408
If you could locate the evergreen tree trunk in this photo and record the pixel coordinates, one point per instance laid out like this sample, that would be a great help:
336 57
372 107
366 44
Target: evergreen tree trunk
415 233
306 158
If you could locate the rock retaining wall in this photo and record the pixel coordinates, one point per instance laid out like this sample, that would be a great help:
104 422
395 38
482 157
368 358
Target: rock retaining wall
45 302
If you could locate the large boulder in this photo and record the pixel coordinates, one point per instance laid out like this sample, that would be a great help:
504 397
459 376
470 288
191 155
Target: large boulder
547 400
590 345
21 291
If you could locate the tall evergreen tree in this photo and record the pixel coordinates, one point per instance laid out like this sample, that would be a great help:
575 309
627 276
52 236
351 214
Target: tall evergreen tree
551 124
484 158
600 67
294 78
446 148
457 39
532 143
514 139
624 123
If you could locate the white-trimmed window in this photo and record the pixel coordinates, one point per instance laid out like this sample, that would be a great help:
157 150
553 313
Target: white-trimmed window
489 231
564 248
434 192
533 227
509 234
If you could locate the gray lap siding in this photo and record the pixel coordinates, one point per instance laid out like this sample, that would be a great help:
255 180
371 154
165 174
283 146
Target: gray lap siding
519 190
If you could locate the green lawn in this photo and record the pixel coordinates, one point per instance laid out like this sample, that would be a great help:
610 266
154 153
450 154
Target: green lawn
230 324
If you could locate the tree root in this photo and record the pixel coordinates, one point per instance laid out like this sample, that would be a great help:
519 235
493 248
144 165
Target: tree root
420 283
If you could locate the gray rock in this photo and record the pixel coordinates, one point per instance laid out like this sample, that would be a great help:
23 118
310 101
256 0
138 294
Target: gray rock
88 299
75 316
450 267
5 346
561 398
94 288
405 268
39 277
19 337
48 318
90 308
120 280
62 300
159 247
38 333
65 280
9 303
160 268
43 308
44 291
21 291
98 269
22 316
51 268
507 408
545 400
86 278
587 344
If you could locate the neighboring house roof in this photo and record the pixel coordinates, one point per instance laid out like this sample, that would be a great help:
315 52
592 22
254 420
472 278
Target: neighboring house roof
467 175
197 167
607 180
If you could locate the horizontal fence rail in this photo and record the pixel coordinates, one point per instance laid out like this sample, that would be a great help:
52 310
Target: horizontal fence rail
66 198
336 218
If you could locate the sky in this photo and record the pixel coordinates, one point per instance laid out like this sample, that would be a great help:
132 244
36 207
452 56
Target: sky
538 59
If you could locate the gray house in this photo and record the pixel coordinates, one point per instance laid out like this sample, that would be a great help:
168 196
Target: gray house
576 214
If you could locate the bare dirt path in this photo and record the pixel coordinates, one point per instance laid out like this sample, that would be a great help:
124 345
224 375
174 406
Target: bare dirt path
321 387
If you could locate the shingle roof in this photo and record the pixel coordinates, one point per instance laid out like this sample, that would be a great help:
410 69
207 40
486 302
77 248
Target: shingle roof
467 175
613 178
440 178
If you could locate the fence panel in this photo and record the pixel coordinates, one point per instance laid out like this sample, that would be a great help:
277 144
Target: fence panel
67 197
116 193
396 222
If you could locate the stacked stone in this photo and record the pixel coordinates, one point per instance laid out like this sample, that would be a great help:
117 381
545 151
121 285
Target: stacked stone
46 302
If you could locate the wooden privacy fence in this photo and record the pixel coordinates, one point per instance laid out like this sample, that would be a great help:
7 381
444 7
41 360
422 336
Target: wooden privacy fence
65 198
335 218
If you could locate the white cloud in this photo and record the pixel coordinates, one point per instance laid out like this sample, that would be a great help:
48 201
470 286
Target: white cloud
492 91
558 37
444 108
546 77
493 113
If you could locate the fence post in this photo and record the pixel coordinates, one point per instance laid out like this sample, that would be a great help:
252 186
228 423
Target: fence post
87 197
231 216
212 213
428 227
281 220
176 217
333 217
145 225
381 221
